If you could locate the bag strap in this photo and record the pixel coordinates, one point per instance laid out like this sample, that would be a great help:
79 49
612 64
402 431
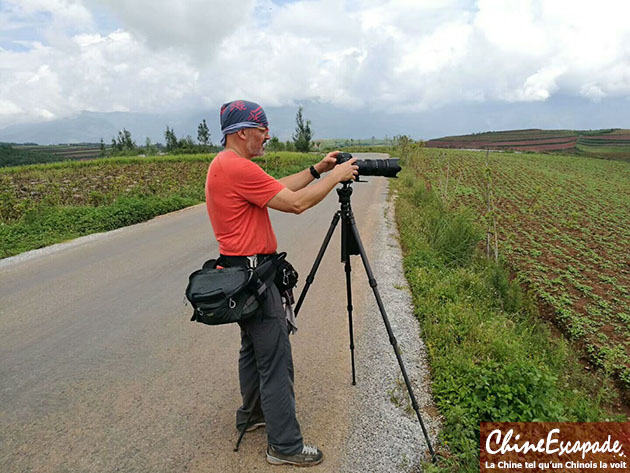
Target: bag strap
210 264
260 277
263 275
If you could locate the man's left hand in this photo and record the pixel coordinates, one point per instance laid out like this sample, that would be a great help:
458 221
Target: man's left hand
327 163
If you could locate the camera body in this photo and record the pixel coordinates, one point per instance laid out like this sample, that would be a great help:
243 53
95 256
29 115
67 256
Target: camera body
373 167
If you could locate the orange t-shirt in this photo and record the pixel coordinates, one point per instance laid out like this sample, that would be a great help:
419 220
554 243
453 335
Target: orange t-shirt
237 192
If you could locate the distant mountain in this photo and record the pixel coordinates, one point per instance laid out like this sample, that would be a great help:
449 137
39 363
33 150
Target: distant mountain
330 121
90 127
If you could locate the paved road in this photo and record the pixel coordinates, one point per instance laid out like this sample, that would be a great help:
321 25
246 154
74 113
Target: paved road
100 369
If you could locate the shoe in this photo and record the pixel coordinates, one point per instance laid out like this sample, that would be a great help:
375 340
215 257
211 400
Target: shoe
255 425
309 456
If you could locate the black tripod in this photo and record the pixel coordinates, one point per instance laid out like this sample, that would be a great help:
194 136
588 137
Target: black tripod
351 245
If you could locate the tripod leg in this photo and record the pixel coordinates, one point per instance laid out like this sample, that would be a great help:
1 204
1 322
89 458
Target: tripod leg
349 291
392 338
240 437
311 276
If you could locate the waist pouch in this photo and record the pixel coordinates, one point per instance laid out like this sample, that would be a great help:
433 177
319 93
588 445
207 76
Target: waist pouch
221 296
286 275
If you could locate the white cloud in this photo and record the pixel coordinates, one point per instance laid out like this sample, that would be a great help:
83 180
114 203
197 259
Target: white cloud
103 73
195 27
380 55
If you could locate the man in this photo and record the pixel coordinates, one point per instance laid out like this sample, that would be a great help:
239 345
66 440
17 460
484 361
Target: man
238 193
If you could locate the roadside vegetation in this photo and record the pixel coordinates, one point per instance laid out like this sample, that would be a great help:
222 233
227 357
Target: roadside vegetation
45 204
492 357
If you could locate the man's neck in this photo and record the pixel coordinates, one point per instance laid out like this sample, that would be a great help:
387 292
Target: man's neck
240 150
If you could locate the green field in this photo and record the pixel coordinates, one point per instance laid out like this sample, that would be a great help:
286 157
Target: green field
22 154
491 327
562 226
338 143
45 204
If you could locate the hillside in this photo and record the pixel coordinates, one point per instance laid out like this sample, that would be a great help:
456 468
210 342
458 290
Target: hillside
612 143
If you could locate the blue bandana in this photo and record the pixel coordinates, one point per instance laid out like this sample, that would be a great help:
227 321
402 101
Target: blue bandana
241 114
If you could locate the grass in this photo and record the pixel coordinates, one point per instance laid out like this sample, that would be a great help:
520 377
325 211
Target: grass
491 357
49 203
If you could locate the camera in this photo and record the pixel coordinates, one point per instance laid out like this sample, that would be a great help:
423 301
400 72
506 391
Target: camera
373 167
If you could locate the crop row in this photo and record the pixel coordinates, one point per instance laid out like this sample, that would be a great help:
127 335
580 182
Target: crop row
514 134
562 224
523 145
607 137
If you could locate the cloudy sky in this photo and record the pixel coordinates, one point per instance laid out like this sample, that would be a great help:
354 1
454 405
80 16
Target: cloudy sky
522 60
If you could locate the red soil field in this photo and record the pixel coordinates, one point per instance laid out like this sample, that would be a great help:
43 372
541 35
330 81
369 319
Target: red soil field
609 137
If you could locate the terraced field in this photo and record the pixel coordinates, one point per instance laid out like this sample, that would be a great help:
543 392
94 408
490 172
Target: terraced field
17 155
562 224
609 143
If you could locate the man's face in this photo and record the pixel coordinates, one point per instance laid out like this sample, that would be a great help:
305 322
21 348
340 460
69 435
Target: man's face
256 139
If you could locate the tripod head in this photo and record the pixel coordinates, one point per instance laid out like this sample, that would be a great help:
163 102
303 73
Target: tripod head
345 192
349 244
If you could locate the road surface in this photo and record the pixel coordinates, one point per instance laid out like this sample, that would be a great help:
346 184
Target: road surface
101 370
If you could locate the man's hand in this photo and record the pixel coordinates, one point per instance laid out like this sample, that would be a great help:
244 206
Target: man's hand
346 171
298 201
329 162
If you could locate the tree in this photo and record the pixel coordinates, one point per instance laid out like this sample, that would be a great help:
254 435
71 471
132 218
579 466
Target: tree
149 148
303 134
403 141
171 139
187 144
203 134
128 143
102 149
275 144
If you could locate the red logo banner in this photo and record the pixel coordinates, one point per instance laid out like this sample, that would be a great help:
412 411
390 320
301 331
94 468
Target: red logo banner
555 446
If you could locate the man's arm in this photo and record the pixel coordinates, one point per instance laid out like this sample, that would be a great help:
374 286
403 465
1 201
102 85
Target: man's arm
298 201
301 179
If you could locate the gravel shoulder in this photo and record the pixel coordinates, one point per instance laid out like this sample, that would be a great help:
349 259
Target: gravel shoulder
385 434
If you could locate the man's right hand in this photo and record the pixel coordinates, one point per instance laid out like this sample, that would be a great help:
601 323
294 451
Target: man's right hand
346 171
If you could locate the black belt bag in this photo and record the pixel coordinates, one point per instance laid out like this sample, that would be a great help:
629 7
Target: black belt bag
231 294
286 275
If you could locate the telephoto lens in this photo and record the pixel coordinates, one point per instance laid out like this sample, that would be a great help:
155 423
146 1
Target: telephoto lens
373 167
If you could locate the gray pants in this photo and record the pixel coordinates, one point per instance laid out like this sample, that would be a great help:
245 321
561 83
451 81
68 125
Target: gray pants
265 369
